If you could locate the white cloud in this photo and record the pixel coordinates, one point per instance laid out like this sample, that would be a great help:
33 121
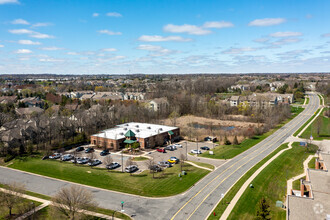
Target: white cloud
1 45
157 38
51 48
114 14
110 49
72 53
238 50
30 33
20 21
21 31
51 60
325 35
155 50
186 28
23 51
41 24
286 34
29 42
95 14
267 22
109 32
286 41
218 24
2 2
261 40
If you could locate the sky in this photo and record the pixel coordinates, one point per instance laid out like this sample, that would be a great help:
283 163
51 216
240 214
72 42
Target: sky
164 36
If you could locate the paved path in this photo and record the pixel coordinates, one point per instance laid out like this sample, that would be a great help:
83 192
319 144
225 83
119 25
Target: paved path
195 165
196 203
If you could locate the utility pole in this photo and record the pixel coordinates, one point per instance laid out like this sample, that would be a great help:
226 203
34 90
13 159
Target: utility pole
186 150
122 162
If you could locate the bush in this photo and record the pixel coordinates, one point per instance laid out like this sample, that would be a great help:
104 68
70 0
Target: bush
227 142
8 158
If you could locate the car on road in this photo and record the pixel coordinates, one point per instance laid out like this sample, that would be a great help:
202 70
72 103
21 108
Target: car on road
78 149
164 164
112 166
195 151
94 162
178 145
55 156
131 169
205 148
83 160
104 152
173 160
66 157
170 147
89 150
162 150
155 168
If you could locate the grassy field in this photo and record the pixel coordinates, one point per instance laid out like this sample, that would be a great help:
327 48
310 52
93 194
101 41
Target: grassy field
140 158
165 184
324 128
304 125
307 101
230 151
271 183
311 163
207 165
221 207
18 209
296 184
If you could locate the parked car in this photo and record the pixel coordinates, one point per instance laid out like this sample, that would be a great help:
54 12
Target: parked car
83 160
113 165
66 157
170 147
205 148
162 150
80 149
173 160
75 160
178 145
45 157
94 162
164 164
155 168
104 152
131 169
89 150
55 156
195 151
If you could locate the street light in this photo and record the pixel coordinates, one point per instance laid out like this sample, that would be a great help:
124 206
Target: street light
122 162
186 150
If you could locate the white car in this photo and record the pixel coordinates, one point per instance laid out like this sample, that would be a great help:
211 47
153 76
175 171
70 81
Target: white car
178 145
66 157
55 156
195 151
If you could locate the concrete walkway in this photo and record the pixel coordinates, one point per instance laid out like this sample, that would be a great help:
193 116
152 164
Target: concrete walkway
195 165
46 203
290 181
247 183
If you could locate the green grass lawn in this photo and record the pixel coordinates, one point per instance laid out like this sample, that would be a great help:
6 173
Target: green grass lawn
140 158
306 123
221 207
311 163
307 101
296 184
230 151
165 184
207 165
324 128
271 183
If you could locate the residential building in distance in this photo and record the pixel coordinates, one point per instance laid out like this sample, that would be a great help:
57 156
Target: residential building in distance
158 104
148 135
255 100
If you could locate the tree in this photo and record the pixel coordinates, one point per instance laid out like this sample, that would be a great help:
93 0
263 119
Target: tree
150 164
13 198
71 201
226 141
107 160
235 142
91 157
76 154
263 210
182 159
130 162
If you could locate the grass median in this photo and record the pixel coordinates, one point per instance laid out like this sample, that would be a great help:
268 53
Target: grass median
304 125
230 151
271 183
319 129
166 183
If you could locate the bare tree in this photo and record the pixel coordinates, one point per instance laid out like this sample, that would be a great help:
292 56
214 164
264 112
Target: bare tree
107 160
130 162
71 202
76 154
13 198
151 166
182 159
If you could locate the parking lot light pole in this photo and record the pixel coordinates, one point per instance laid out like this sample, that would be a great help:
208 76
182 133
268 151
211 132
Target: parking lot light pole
197 148
122 162
186 150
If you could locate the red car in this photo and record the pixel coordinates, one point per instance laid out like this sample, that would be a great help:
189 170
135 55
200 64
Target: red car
162 150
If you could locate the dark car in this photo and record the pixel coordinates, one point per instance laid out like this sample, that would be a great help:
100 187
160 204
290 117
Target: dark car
205 148
104 152
155 168
89 150
45 157
113 165
162 150
80 149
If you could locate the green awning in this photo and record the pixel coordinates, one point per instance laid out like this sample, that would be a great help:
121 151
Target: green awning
127 141
130 133
170 133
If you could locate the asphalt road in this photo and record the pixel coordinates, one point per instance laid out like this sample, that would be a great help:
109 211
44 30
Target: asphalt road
196 203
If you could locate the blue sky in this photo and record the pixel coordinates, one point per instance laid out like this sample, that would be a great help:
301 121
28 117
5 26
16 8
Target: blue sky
164 36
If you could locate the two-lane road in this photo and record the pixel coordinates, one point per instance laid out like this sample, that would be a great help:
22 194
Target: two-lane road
196 203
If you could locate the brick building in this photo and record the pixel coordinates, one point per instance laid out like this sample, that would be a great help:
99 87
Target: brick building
147 135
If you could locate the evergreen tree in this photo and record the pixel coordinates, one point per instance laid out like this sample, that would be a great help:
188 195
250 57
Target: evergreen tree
263 210
235 142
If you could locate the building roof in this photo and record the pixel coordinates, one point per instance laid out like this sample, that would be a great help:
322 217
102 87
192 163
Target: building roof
28 111
130 133
141 130
127 141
